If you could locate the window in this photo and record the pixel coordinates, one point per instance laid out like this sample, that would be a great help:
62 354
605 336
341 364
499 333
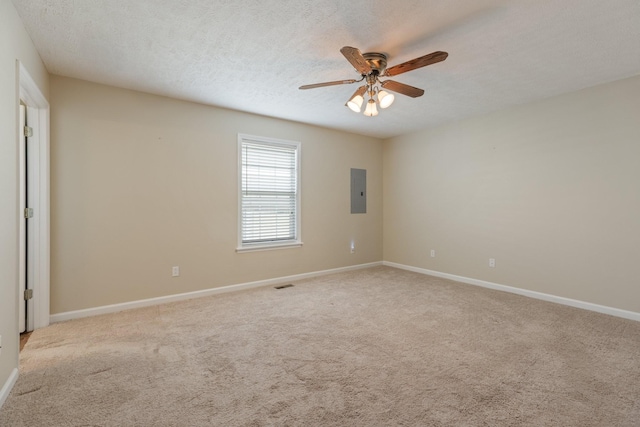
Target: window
269 199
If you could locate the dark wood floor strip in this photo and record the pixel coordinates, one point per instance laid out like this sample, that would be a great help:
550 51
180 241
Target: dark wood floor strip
23 339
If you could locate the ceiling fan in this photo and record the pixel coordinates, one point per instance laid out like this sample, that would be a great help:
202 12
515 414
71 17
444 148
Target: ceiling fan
372 66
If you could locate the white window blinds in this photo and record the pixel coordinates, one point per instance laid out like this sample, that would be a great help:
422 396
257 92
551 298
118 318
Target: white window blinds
268 192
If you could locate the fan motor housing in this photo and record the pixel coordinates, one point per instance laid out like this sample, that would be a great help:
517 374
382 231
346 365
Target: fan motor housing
377 61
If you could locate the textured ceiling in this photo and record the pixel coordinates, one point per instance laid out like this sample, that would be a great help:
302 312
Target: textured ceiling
252 55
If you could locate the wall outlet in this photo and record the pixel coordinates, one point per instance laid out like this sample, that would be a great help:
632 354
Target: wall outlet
433 253
492 262
175 271
0 344
353 248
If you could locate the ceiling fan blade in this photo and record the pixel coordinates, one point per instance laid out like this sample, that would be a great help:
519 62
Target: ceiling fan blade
402 88
354 56
337 82
423 61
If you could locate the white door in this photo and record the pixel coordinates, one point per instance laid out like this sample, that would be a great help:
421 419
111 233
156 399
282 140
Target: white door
34 192
22 272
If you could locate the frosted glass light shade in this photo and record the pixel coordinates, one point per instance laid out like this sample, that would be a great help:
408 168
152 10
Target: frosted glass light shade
371 109
355 103
385 99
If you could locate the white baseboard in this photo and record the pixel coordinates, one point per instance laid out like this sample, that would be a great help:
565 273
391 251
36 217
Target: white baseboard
77 314
524 292
8 385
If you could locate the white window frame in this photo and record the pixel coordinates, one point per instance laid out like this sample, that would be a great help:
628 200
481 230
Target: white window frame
281 244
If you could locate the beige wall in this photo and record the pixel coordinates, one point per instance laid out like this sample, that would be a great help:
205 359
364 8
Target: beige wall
141 183
14 44
551 190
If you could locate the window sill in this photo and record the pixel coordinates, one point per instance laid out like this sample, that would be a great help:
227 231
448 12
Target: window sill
268 247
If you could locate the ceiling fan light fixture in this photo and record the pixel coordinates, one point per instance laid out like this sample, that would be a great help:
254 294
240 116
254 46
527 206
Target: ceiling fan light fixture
371 109
355 103
385 98
373 65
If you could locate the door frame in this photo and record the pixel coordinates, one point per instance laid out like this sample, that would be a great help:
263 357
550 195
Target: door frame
39 160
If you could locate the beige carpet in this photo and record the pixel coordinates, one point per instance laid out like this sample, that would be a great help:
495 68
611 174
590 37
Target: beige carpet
373 347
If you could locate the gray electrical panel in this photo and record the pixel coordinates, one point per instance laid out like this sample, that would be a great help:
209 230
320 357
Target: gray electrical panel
358 191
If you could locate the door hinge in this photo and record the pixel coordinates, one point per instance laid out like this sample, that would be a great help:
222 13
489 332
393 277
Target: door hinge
28 294
28 131
28 212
